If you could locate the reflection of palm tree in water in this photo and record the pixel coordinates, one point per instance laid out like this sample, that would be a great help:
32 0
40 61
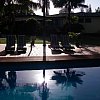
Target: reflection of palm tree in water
11 79
2 76
68 78
43 89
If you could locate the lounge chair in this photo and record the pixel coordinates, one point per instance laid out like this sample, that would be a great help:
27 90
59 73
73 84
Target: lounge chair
21 44
65 42
54 42
10 44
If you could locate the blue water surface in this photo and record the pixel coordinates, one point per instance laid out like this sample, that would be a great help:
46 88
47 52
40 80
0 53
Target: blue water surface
78 84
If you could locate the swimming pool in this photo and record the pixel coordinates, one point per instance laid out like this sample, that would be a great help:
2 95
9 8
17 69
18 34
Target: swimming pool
83 84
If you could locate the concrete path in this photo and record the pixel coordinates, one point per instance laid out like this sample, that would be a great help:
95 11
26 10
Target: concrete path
38 51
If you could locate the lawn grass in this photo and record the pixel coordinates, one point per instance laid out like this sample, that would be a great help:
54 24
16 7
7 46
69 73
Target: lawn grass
40 41
2 40
37 41
83 41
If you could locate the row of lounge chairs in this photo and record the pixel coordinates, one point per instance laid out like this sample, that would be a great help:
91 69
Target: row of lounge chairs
10 44
57 42
60 42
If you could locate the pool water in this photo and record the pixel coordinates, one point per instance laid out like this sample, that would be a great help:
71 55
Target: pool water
76 84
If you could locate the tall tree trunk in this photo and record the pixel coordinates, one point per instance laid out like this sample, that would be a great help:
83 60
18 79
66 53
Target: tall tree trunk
47 7
68 6
69 19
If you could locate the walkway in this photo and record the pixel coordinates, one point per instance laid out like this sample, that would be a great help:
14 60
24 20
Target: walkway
38 51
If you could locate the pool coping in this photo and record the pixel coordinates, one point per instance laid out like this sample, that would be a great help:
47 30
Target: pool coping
50 62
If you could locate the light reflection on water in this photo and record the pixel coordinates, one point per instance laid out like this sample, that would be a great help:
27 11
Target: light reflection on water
78 84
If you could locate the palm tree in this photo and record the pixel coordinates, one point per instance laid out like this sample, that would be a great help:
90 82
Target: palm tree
26 6
10 8
47 7
69 4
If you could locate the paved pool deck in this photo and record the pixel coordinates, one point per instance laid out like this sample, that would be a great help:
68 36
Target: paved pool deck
79 57
37 50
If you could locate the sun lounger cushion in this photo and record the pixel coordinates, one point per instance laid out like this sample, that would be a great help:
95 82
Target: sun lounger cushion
21 44
65 42
54 41
10 43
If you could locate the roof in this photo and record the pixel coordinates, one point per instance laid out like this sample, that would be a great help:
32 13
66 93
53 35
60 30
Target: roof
88 14
77 14
62 15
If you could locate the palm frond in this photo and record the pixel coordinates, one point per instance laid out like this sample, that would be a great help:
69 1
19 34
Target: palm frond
59 3
82 5
34 5
74 3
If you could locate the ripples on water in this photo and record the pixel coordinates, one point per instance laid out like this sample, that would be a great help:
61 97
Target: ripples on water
76 84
